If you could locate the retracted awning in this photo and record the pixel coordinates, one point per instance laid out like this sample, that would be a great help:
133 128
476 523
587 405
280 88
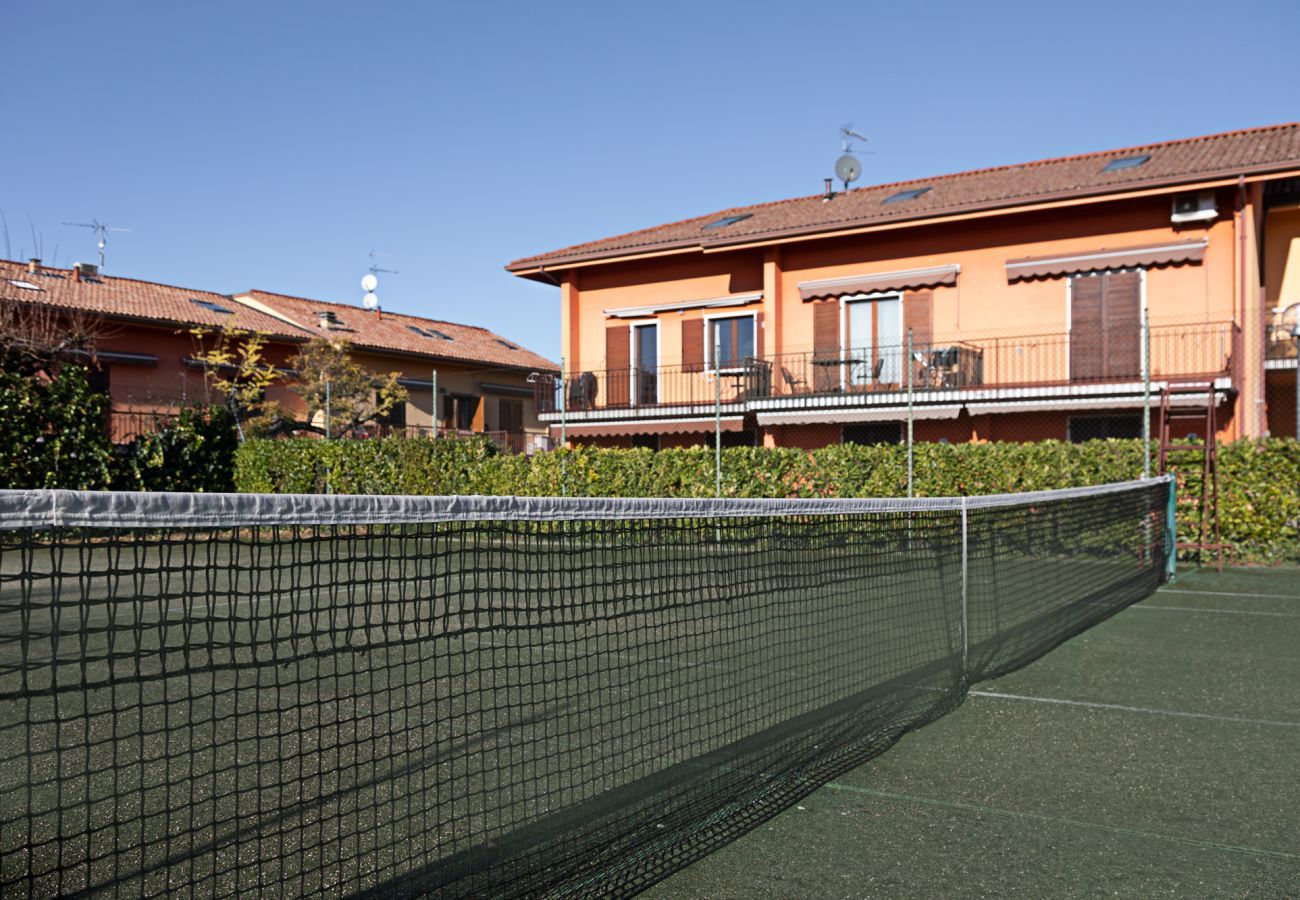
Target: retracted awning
893 414
637 312
905 280
1106 258
652 426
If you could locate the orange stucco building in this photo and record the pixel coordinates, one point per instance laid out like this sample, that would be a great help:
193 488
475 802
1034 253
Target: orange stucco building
147 345
1012 299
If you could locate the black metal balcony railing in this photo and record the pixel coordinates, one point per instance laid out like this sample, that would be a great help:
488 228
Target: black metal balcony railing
1002 361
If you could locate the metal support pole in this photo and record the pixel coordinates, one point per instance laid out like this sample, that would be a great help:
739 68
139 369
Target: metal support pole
1171 535
564 432
327 409
433 403
1146 396
909 413
1297 386
965 617
717 417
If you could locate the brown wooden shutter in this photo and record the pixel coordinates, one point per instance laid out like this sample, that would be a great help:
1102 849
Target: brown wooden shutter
693 345
1123 325
1087 329
918 315
618 364
826 344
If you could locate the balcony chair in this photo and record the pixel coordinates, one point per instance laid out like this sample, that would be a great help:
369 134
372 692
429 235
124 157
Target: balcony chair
795 385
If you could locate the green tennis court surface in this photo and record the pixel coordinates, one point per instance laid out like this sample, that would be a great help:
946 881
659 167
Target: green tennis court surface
1157 754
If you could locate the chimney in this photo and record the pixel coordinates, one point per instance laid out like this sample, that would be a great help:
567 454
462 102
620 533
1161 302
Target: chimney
829 193
33 265
76 274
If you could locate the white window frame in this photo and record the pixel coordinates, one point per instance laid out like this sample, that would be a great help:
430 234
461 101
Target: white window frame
635 353
708 339
845 300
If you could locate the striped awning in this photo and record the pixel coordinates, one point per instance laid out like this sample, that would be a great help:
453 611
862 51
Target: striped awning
1104 258
836 416
651 426
874 283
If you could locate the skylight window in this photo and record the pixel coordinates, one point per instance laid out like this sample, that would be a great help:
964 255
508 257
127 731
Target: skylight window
25 285
431 333
1126 162
904 196
212 307
728 220
507 344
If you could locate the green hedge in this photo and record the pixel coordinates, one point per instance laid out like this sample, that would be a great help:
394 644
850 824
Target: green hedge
1259 506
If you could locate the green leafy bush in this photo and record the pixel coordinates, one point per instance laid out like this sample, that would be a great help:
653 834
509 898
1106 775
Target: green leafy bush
1259 501
194 453
52 431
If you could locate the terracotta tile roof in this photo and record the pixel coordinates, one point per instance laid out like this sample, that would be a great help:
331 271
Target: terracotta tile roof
287 318
127 298
1251 151
393 331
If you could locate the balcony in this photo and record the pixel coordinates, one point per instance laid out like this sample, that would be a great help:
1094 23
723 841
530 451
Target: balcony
974 368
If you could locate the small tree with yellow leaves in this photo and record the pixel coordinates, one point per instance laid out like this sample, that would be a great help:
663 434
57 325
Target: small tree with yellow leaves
356 396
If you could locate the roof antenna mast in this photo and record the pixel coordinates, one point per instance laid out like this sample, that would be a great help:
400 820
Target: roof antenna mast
370 280
100 228
847 167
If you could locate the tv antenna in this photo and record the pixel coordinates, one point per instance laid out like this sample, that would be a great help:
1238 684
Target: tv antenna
100 228
847 167
370 280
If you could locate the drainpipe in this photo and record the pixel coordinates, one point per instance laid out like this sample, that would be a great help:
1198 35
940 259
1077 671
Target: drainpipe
1239 364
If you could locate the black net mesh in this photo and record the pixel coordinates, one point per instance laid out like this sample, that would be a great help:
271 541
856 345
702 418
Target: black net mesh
498 707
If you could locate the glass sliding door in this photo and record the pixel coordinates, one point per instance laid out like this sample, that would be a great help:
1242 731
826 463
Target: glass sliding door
873 340
645 365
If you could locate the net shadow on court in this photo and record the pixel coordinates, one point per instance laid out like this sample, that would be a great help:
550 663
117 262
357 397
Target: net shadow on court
1152 755
489 696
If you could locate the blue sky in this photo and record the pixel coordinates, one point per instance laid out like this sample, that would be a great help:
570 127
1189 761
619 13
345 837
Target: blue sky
273 144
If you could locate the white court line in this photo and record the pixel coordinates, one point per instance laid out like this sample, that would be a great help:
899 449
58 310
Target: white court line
1223 593
1136 709
1231 612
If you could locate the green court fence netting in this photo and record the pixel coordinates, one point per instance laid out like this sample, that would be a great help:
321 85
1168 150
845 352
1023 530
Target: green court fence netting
213 694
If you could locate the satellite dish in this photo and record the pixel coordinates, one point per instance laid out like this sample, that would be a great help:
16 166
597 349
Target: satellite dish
369 282
847 169
371 300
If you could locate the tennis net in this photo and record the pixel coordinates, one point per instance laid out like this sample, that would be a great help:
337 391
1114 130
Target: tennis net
464 696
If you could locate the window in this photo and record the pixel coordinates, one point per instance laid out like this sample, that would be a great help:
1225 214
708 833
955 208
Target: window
212 307
646 441
904 196
873 332
511 416
431 333
746 437
1126 162
507 344
1098 428
732 338
458 411
25 285
872 433
395 418
728 220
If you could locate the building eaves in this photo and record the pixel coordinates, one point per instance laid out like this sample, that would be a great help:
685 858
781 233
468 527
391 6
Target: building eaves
1250 152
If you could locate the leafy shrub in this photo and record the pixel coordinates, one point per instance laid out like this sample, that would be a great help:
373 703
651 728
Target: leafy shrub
1259 502
194 453
52 431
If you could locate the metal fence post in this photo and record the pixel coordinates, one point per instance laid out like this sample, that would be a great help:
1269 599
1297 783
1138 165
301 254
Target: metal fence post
909 413
564 432
717 417
1146 396
965 616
